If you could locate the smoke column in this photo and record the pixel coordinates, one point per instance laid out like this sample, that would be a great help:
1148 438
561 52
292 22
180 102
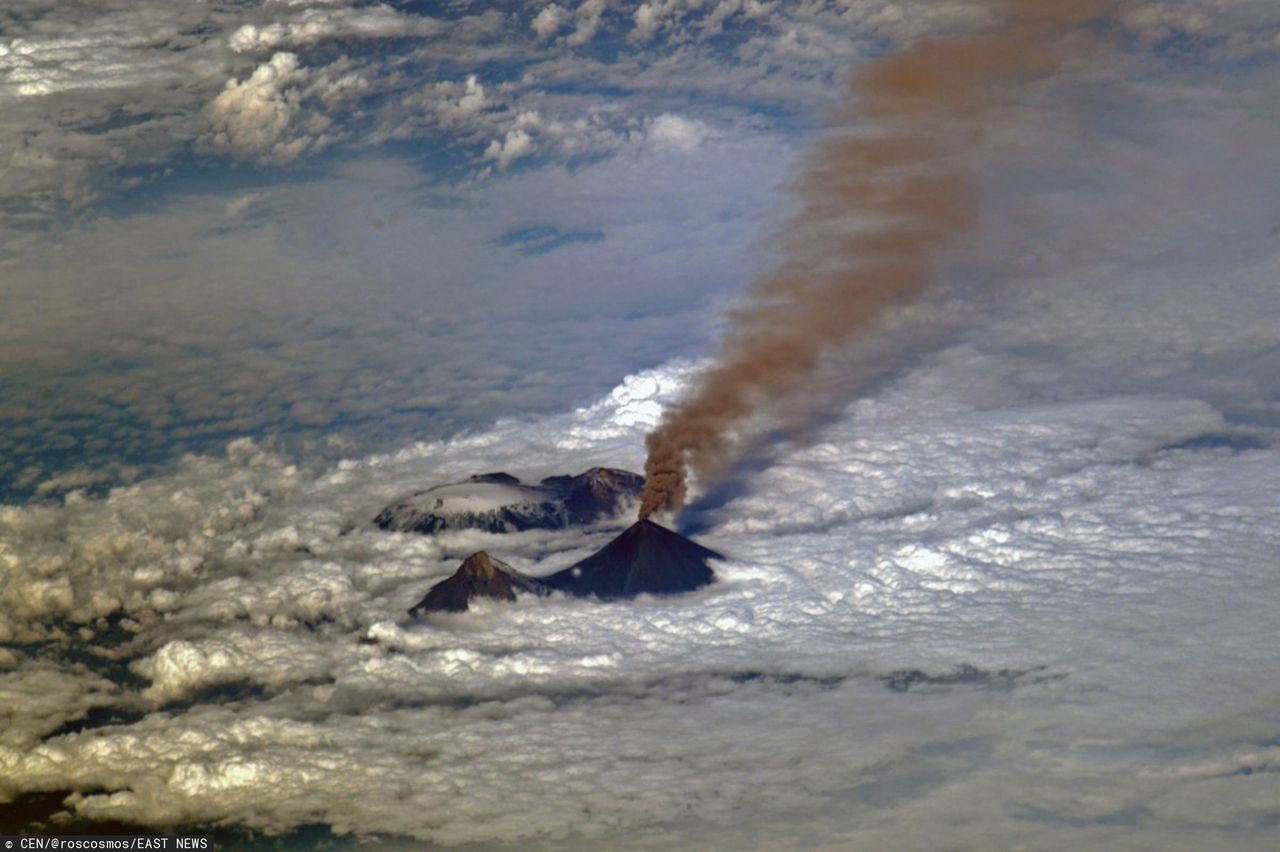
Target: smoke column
880 194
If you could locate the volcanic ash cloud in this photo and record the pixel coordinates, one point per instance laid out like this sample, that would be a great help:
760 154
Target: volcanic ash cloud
880 195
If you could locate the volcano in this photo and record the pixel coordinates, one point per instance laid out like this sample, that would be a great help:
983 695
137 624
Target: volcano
645 559
479 576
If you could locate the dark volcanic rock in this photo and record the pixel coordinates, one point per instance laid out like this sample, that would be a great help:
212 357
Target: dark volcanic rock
499 478
644 559
594 494
479 576
498 502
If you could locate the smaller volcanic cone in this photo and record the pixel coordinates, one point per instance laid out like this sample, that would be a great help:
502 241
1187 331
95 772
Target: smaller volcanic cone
479 576
644 559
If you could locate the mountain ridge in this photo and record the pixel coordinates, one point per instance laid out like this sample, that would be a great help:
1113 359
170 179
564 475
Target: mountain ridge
645 558
499 502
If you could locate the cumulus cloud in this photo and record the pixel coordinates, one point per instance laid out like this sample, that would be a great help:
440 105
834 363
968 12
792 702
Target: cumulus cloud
131 89
242 203
587 21
647 22
675 132
651 17
37 697
473 99
515 145
138 87
252 118
549 20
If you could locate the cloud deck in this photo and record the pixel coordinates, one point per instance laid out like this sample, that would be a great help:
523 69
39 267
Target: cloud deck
1124 568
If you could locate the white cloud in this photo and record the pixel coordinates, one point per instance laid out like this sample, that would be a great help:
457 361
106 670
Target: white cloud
135 88
130 85
474 100
676 132
647 21
460 111
658 15
587 21
241 203
315 25
514 146
252 118
250 37
1086 559
37 697
549 20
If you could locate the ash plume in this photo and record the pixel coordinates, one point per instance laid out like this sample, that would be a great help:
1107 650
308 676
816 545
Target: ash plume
881 193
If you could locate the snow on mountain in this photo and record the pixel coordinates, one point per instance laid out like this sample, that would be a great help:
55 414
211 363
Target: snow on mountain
498 502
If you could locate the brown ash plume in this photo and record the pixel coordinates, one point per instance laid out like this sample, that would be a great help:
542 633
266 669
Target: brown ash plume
880 195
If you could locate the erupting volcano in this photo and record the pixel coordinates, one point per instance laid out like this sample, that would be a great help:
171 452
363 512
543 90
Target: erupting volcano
645 559
888 188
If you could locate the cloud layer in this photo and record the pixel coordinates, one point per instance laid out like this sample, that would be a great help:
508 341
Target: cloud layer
137 87
921 611
99 96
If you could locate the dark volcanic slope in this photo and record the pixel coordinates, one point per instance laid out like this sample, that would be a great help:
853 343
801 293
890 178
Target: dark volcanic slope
479 576
644 559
